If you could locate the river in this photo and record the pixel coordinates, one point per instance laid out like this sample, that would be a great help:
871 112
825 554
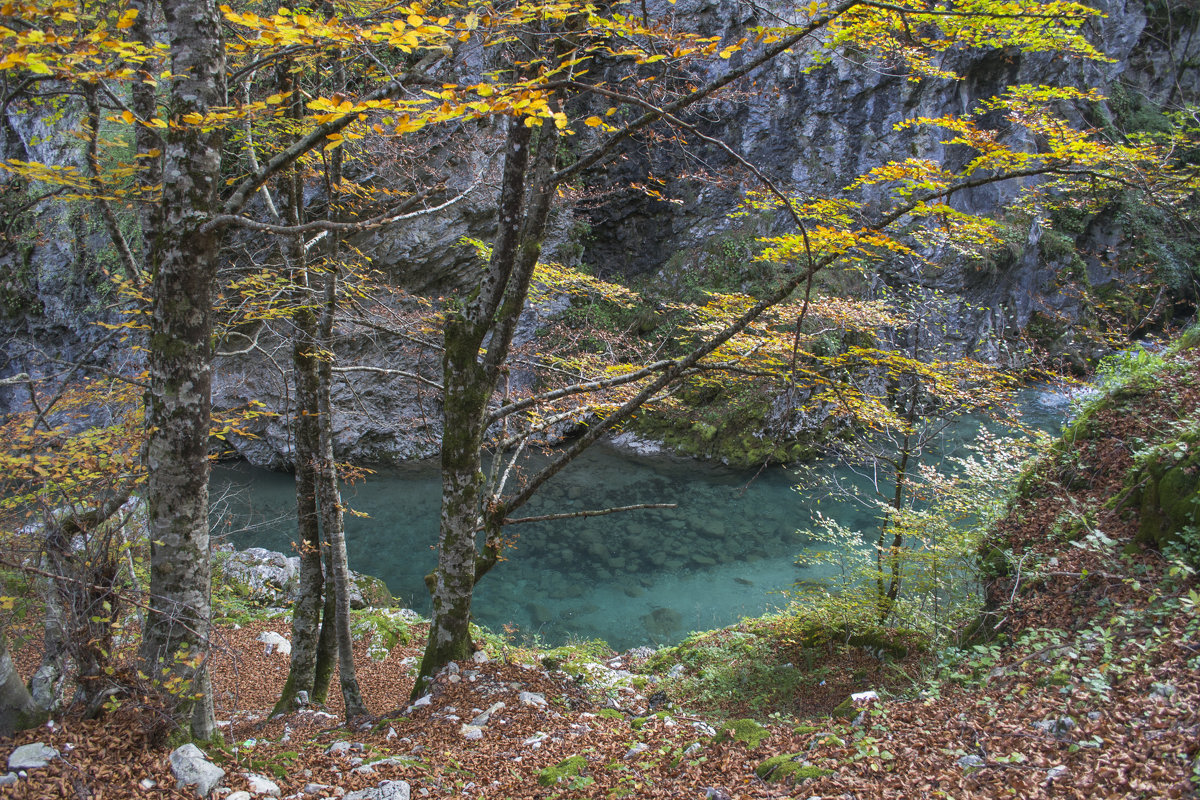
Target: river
644 577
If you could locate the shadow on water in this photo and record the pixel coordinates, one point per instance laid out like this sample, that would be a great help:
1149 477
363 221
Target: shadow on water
636 578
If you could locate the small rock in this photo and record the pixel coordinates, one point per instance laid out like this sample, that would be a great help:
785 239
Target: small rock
676 671
858 698
315 788
421 701
31 756
471 732
1093 715
338 748
364 769
486 716
391 734
147 784
479 657
301 698
713 793
192 768
388 790
1055 727
9 779
534 699
971 762
536 740
1163 690
1054 773
636 750
262 785
238 796
453 668
275 643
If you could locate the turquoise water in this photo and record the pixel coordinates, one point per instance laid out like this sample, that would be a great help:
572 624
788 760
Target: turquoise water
643 577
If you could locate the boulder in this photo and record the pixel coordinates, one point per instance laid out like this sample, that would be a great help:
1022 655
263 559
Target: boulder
192 768
261 785
31 756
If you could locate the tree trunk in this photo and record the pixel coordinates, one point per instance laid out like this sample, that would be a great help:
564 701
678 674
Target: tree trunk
332 516
17 709
453 580
306 616
327 643
179 353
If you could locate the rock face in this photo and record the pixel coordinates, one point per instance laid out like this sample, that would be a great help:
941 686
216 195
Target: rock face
812 129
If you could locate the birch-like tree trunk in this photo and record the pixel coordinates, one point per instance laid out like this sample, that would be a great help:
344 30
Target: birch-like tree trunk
179 352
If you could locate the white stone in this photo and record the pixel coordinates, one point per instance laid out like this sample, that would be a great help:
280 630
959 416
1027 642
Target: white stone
388 790
261 785
337 749
241 795
315 788
192 768
863 697
486 716
479 657
31 756
1054 773
275 643
9 779
534 699
147 784
471 732
636 750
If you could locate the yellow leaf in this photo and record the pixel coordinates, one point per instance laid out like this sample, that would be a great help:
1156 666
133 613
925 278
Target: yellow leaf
593 122
127 115
193 118
127 19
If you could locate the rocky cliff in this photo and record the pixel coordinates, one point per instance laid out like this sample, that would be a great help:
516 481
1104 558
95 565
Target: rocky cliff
813 129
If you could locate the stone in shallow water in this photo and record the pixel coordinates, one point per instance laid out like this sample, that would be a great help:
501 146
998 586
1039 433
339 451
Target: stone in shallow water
662 622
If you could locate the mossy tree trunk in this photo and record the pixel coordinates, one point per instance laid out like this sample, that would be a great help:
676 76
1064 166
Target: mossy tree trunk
306 614
471 374
179 353
17 709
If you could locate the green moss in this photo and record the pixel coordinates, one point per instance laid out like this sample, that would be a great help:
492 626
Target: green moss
845 710
609 713
788 766
746 731
569 767
805 729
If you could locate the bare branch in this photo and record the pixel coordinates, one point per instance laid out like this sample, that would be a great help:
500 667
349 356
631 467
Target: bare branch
594 513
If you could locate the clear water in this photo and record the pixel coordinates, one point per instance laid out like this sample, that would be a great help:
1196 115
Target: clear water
644 577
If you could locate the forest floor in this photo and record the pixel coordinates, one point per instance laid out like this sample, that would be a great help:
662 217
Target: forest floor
1091 690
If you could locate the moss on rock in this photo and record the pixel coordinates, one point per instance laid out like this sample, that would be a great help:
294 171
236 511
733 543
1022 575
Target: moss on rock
746 731
569 767
788 766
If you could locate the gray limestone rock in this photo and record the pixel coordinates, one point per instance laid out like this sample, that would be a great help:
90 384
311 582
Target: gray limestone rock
388 790
31 756
191 767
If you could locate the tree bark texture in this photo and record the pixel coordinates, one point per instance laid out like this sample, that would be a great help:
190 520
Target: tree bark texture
178 402
17 709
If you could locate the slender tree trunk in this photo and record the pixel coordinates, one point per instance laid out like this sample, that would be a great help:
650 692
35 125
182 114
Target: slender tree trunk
327 643
332 516
306 615
178 403
453 580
